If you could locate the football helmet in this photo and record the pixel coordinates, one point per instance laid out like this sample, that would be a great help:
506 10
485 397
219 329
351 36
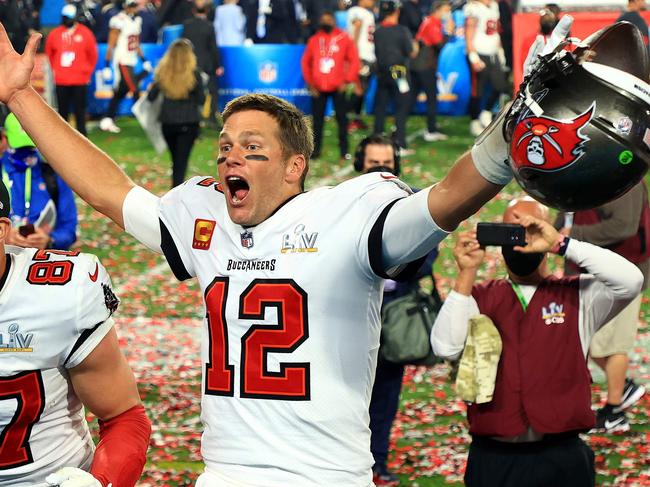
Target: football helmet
579 128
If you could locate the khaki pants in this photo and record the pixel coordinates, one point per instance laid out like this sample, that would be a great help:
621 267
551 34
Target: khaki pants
617 336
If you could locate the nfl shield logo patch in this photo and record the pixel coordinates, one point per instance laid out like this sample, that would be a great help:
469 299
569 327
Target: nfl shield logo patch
247 239
268 72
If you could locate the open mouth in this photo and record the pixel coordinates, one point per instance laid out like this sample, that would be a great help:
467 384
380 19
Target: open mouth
238 188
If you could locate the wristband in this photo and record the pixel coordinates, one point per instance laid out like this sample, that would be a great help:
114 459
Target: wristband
561 245
473 57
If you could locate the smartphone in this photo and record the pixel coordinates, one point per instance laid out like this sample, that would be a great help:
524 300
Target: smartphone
500 234
26 230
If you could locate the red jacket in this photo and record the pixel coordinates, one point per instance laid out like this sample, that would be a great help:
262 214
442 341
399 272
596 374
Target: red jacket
330 61
430 31
542 377
72 54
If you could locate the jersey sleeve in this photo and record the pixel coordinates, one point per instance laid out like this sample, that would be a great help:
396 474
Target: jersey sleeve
377 194
116 22
470 10
177 223
95 304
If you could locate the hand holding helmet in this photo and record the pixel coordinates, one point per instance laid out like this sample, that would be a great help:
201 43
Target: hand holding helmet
490 152
579 129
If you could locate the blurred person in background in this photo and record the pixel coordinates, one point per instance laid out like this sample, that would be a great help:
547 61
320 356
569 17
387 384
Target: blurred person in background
549 17
432 35
361 28
505 17
178 79
43 210
107 11
410 15
20 18
526 431
378 153
149 29
230 24
394 47
271 21
72 51
633 16
622 226
486 60
174 12
200 32
329 65
123 52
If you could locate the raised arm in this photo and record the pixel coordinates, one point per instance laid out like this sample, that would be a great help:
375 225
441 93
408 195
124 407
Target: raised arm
462 192
90 172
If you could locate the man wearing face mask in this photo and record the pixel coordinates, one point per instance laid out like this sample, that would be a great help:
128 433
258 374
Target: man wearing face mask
329 65
527 434
633 15
378 153
549 16
72 51
200 32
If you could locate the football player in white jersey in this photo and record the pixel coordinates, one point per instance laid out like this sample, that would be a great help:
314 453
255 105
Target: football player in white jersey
361 28
292 280
486 60
59 353
123 51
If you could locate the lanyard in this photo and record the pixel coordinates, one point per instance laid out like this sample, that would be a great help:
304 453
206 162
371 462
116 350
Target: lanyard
28 188
520 295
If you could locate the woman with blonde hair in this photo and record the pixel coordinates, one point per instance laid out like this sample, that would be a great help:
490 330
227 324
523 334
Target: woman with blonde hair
178 80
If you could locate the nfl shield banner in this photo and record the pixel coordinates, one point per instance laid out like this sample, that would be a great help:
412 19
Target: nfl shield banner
273 69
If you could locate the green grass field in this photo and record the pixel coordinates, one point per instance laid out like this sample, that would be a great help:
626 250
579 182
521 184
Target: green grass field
159 322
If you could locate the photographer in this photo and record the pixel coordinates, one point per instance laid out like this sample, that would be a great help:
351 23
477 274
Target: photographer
394 46
526 432
43 210
378 153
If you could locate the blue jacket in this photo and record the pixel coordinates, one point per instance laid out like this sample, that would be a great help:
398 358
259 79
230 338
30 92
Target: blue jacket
65 230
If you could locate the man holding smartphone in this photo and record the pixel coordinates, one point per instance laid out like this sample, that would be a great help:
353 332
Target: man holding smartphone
527 434
44 213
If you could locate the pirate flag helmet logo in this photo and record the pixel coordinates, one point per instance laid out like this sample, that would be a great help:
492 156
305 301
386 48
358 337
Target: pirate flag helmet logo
577 128
548 144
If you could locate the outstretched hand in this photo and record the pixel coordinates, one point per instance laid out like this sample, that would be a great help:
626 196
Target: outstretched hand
15 69
540 234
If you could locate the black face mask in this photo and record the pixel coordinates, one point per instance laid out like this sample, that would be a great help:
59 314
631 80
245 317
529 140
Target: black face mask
201 10
327 28
382 169
67 22
521 264
547 26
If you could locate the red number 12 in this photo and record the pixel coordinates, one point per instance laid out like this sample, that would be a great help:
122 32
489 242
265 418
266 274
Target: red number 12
256 381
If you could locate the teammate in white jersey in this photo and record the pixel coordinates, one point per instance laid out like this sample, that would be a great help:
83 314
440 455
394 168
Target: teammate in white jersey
59 352
123 51
486 60
361 28
291 279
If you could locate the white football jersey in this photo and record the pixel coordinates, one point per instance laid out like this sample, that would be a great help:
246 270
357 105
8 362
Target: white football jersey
292 326
126 49
487 40
54 311
366 43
